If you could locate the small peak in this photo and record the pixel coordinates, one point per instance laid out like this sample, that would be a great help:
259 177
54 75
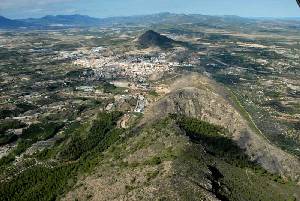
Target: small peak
151 39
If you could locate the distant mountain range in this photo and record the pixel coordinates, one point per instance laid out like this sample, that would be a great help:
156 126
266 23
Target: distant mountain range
8 23
64 20
51 21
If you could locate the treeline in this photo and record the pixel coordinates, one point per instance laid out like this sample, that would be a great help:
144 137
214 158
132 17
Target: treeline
44 183
38 183
32 134
218 144
215 140
99 130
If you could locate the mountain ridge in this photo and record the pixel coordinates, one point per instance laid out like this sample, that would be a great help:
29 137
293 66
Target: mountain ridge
77 20
66 20
186 149
8 23
191 96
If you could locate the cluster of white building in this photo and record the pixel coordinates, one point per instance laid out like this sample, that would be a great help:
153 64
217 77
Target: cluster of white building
134 67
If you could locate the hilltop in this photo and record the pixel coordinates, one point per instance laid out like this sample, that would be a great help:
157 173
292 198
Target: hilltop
8 23
153 39
189 155
65 20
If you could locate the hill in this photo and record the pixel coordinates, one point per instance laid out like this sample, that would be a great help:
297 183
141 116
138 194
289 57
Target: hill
64 20
203 151
163 161
153 19
87 21
8 23
153 39
190 145
189 98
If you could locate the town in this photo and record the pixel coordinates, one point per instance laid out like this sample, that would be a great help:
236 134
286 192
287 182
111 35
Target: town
53 83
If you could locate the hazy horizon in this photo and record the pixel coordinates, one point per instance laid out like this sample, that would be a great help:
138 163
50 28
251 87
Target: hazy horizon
17 9
137 15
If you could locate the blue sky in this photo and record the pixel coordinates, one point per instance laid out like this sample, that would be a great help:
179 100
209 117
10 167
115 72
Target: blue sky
107 8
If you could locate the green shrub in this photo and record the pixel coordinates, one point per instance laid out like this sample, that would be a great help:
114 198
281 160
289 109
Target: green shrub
97 133
43 183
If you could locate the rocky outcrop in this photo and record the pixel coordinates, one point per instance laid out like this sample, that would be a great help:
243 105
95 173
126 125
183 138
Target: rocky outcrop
158 161
198 97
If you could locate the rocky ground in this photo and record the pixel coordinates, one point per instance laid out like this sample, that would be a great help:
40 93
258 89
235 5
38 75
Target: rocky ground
158 161
197 96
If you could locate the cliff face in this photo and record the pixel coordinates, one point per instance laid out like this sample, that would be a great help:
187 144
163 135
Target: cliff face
196 96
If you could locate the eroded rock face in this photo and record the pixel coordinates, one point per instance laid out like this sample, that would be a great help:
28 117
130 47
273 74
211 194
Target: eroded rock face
205 104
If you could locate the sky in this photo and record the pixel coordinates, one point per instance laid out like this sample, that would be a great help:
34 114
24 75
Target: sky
16 9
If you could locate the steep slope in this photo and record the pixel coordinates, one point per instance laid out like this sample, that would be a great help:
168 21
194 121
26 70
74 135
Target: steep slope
153 39
162 156
176 157
141 168
161 162
199 97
